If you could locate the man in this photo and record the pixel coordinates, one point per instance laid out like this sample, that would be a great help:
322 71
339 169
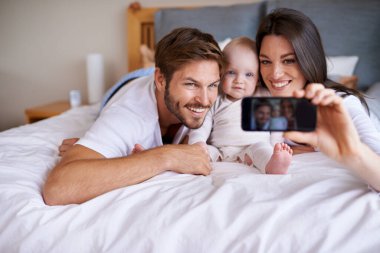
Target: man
150 111
262 111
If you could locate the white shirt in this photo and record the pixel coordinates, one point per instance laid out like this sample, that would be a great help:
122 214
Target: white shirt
130 118
364 125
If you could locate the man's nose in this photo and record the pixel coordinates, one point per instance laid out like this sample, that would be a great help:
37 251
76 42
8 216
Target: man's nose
203 97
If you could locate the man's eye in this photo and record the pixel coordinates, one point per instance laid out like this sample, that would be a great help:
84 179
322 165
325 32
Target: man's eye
190 84
214 85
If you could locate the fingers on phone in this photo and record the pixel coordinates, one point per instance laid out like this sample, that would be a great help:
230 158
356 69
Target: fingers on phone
312 89
322 96
299 93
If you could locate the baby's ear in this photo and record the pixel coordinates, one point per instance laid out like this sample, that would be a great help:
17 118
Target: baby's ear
147 56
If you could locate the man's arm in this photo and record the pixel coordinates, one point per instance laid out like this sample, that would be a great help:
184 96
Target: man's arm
83 174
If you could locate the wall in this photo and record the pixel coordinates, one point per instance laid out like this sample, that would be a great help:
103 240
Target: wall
43 46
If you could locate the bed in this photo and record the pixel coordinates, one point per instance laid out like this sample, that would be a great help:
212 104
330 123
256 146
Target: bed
319 206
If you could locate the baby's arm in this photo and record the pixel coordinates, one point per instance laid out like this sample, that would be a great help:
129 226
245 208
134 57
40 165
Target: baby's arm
201 134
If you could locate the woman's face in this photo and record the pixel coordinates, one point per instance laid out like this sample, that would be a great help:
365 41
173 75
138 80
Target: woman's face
287 109
279 67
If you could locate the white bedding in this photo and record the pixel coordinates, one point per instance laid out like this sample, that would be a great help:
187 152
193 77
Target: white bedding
318 207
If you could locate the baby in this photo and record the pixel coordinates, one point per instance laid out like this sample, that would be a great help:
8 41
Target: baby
222 126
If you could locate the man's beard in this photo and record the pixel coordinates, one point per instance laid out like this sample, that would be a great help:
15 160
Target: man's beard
173 107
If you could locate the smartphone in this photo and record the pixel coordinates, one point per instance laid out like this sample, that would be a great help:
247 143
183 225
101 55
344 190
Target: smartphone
278 114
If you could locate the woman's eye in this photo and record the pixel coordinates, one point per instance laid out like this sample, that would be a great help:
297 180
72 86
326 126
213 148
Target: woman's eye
289 61
264 62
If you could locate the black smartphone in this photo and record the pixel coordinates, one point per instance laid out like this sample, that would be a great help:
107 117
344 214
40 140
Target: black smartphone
278 114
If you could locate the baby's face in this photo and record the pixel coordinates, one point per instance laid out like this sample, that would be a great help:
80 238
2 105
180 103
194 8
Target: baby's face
276 111
241 74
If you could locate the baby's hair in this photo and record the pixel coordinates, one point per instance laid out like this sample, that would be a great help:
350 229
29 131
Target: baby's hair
241 41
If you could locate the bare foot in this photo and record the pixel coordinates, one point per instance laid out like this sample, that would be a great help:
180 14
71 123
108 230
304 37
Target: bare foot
280 160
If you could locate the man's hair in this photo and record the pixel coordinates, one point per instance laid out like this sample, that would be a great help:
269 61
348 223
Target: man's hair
184 45
262 102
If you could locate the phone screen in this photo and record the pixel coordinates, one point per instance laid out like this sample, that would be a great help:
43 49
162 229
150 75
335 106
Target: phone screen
278 114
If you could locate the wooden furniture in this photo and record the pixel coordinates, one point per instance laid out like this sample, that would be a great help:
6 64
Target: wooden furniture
41 112
140 31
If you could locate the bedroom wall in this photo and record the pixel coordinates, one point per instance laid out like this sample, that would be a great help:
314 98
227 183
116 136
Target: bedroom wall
43 46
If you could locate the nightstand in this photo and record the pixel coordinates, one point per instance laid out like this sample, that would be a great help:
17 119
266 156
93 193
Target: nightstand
41 112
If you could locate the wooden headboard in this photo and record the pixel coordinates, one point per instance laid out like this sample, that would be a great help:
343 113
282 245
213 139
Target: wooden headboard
140 31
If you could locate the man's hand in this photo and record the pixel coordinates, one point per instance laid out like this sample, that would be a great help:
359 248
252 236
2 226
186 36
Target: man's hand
183 158
191 159
187 159
66 145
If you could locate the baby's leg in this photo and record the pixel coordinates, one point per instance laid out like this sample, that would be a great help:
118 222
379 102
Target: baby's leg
257 155
280 159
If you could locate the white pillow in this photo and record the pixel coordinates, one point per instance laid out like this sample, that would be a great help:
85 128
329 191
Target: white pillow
224 43
341 65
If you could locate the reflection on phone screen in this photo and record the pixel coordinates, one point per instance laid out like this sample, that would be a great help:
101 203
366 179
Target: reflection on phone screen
278 114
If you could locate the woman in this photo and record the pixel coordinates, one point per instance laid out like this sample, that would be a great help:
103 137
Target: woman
287 111
292 58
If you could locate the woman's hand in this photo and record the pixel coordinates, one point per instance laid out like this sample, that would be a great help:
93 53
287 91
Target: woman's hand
335 134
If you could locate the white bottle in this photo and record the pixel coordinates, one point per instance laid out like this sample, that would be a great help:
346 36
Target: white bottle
75 98
95 77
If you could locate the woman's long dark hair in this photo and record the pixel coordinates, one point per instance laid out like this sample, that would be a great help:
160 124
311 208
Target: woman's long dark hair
303 35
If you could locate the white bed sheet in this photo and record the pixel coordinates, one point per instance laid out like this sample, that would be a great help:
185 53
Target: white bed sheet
318 207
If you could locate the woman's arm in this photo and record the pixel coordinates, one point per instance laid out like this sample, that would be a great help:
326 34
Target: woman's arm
336 135
367 131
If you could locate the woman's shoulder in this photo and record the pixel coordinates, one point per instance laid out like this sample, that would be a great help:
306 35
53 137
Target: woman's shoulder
351 101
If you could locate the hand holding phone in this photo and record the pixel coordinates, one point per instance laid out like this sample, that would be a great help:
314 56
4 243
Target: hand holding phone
278 114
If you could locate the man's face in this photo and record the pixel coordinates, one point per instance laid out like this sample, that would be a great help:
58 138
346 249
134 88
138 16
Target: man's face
262 115
192 91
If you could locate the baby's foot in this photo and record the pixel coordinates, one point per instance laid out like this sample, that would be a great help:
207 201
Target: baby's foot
280 160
